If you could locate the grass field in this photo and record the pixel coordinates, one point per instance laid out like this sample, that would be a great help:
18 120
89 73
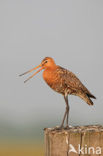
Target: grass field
21 150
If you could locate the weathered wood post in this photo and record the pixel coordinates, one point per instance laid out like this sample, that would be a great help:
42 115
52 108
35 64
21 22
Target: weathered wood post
76 141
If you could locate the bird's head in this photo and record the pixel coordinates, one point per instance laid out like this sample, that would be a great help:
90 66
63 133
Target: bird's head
46 63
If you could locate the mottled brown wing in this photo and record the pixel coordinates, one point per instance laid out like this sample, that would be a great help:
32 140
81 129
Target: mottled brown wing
71 80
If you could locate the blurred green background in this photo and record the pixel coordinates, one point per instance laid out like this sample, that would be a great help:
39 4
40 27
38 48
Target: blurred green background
71 32
21 140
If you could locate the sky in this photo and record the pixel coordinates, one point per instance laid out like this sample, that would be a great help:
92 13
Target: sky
69 31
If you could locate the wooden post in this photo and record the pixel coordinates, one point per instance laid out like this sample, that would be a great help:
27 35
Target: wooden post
76 141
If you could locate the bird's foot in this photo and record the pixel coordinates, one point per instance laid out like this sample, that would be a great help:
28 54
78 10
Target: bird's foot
67 127
58 128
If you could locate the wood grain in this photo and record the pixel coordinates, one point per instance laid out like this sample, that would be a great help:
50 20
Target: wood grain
86 140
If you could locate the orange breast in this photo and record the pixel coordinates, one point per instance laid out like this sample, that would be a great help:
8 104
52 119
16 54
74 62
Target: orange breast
50 77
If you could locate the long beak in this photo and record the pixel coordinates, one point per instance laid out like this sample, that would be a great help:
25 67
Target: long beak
31 71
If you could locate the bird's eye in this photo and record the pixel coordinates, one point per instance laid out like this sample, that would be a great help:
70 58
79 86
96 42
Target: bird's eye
46 61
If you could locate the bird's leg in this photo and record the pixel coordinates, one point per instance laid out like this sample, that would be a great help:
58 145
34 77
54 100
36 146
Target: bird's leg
63 119
67 109
62 125
66 112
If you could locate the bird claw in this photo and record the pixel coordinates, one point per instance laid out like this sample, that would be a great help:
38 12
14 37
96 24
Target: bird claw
66 127
61 128
58 128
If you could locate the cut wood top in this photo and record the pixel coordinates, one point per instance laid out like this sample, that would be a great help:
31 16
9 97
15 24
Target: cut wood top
95 128
78 140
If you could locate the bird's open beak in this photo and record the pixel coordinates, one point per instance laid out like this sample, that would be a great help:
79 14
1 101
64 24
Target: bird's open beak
40 66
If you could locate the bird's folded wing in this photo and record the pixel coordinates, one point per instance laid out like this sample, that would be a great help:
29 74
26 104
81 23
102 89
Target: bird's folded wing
71 80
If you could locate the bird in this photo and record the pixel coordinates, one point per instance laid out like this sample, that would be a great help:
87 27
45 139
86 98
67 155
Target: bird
64 82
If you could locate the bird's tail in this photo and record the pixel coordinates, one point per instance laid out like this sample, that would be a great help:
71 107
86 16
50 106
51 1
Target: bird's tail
86 98
91 95
90 102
